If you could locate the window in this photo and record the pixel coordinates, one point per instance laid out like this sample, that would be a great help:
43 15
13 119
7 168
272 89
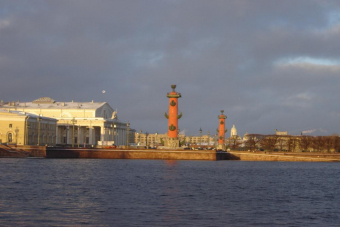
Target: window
10 125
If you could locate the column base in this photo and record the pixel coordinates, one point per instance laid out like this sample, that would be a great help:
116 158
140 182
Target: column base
221 147
171 143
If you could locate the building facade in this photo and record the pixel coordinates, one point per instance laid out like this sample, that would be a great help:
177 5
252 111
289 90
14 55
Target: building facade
22 128
79 123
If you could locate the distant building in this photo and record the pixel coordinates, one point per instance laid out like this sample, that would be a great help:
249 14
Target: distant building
201 140
22 128
156 139
79 123
281 133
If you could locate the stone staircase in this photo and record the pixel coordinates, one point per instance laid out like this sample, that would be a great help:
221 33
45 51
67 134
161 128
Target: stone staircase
9 152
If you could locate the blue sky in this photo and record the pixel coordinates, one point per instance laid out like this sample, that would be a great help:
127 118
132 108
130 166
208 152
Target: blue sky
268 64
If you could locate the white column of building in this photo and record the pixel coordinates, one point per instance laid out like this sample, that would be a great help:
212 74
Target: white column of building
68 135
123 137
110 136
79 138
57 137
119 136
91 136
102 133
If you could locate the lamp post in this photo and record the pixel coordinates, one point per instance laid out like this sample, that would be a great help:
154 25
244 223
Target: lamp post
190 140
16 135
215 142
146 139
73 122
27 127
156 139
78 137
208 138
127 134
39 118
140 136
200 137
114 134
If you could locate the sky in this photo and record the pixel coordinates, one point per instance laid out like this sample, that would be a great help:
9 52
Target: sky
268 64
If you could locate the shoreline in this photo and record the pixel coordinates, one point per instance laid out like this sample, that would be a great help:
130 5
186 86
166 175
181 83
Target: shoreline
165 154
284 156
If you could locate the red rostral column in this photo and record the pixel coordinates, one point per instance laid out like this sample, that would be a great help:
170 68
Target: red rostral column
173 113
221 129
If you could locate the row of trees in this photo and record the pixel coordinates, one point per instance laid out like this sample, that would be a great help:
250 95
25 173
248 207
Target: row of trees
287 143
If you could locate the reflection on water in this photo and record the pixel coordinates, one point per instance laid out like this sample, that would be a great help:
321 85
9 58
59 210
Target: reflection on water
66 192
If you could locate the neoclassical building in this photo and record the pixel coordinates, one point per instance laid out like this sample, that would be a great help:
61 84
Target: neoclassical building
22 128
79 123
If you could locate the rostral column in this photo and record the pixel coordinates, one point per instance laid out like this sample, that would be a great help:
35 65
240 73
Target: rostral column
173 117
221 131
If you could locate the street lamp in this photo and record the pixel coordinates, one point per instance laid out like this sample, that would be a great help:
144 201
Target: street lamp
140 137
78 135
39 119
146 139
215 142
200 137
208 138
127 134
73 122
156 139
114 133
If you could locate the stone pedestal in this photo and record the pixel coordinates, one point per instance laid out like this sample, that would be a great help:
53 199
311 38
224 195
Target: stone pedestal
171 143
221 147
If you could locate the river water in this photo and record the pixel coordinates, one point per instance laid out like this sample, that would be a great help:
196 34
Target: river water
101 192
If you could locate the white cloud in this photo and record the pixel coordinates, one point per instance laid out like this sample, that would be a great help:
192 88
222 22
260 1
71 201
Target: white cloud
308 60
322 66
299 100
4 23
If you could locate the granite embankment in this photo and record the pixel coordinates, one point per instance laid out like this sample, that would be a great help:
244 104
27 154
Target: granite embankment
211 155
22 151
283 157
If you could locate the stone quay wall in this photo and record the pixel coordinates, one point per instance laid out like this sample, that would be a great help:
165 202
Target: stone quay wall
283 157
32 151
135 154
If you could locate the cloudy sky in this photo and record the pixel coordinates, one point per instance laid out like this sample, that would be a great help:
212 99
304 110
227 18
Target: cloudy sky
269 64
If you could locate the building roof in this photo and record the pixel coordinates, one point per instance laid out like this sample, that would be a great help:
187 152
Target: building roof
48 103
4 112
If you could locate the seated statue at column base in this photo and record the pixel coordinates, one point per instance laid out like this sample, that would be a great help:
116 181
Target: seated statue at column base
171 143
221 147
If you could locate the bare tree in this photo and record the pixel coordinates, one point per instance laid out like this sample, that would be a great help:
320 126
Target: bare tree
305 142
234 142
253 141
282 142
328 143
336 143
291 143
269 142
317 143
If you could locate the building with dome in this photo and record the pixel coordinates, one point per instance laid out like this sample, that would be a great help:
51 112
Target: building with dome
233 131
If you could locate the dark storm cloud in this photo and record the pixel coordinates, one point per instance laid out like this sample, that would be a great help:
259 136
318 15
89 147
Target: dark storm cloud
239 56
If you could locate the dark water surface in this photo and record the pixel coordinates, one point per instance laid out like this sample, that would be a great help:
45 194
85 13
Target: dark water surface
94 192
